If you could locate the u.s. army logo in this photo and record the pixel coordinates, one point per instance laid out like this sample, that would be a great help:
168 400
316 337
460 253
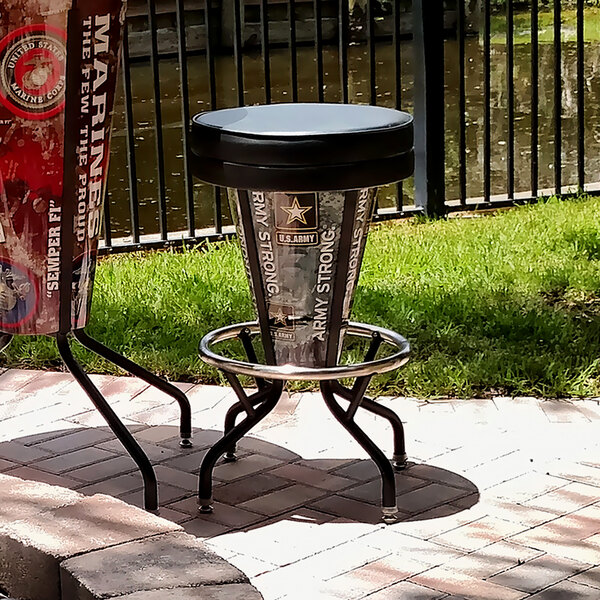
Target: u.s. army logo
281 321
296 219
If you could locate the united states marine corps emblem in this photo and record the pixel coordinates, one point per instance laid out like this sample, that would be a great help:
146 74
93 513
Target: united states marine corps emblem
32 71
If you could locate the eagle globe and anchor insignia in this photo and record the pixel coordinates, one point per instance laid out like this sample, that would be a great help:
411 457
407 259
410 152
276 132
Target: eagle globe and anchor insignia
32 71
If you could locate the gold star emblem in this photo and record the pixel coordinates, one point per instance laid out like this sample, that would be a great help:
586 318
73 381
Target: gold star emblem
296 212
280 317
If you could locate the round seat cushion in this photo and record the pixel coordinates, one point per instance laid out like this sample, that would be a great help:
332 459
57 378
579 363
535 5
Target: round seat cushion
302 147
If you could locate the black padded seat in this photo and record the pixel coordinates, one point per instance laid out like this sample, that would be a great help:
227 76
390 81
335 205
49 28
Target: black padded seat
302 147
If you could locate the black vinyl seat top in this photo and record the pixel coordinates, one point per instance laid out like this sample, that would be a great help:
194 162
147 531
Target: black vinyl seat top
302 147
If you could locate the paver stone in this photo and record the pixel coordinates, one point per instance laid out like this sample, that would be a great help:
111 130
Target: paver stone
165 561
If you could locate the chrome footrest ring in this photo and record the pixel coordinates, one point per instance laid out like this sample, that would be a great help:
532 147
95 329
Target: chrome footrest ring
293 372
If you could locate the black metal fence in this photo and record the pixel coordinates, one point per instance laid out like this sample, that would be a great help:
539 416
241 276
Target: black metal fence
492 92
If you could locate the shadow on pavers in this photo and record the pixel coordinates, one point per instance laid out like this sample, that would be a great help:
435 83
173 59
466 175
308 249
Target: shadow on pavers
91 460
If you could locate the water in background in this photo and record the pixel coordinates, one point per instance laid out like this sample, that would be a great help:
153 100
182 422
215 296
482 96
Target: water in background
359 93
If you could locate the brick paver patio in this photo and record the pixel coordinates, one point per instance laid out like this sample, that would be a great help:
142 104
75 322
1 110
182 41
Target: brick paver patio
501 501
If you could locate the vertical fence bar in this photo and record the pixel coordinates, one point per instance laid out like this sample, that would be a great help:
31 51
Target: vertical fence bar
370 31
185 116
218 209
237 50
134 207
510 83
462 105
397 54
371 52
487 98
580 97
343 47
264 42
291 7
557 99
534 99
107 229
399 196
158 133
319 47
429 106
397 84
210 54
212 91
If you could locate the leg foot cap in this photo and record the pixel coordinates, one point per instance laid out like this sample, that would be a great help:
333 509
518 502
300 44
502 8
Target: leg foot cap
230 457
389 514
185 442
400 461
205 506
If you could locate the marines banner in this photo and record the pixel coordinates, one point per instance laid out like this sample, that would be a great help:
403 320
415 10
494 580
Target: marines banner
302 241
33 88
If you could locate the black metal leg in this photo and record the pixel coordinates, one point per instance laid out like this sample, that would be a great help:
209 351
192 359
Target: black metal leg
185 427
238 408
230 419
233 413
400 458
388 483
270 395
120 431
246 340
5 340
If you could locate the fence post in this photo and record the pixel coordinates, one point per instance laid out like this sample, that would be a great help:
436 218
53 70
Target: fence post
430 184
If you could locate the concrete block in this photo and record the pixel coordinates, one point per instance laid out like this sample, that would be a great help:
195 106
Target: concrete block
20 498
25 571
41 525
232 591
171 560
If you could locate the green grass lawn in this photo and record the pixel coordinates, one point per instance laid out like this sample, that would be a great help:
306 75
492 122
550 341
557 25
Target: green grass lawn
522 24
497 304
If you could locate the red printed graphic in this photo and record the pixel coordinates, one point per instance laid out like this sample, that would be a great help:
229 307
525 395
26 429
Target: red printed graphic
33 146
32 71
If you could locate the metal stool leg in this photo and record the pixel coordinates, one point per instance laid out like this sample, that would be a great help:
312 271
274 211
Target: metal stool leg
120 431
270 395
5 340
400 458
238 408
388 483
185 427
230 419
